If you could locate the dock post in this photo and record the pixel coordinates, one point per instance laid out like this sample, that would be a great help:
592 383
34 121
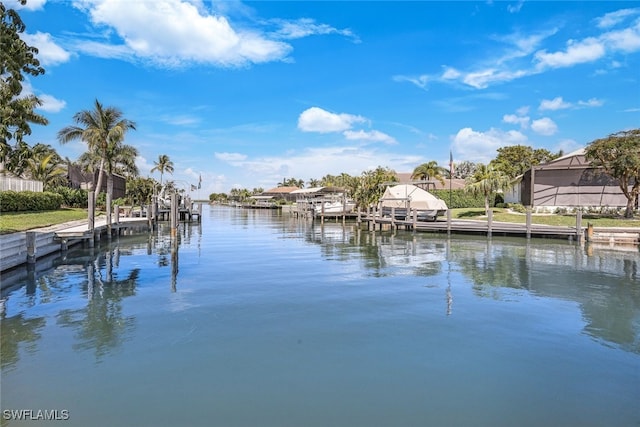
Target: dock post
322 212
173 214
91 221
116 214
108 210
579 234
449 221
154 207
358 219
528 226
149 217
91 211
393 218
414 212
589 232
489 222
31 247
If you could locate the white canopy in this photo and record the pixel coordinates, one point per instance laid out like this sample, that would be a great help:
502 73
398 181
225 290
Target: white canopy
409 196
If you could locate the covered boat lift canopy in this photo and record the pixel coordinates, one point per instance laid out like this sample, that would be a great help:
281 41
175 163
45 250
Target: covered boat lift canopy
403 198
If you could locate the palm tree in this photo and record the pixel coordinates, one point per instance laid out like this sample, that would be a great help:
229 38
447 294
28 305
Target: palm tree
99 128
119 158
429 170
47 170
164 164
485 181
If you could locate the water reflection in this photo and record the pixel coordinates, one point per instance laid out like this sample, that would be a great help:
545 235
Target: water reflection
93 285
604 283
18 331
381 254
101 326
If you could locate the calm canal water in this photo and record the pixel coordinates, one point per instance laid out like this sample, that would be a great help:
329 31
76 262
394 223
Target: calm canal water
258 320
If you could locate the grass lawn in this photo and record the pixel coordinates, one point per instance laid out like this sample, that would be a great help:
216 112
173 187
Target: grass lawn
503 215
11 222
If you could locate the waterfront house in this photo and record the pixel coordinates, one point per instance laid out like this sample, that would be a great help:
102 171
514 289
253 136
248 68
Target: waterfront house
566 182
76 178
284 193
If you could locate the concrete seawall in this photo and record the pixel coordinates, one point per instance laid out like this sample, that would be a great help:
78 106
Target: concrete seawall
16 248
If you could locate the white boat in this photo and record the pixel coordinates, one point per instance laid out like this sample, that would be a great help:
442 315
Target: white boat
336 207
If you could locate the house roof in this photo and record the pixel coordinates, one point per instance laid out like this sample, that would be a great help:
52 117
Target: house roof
574 160
319 190
281 190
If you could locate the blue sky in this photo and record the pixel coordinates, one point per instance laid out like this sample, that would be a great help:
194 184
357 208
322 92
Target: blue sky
245 94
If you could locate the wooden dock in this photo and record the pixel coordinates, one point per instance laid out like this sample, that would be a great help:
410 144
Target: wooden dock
465 226
28 246
488 227
83 231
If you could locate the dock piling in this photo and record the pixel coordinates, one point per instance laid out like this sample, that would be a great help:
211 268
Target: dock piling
31 247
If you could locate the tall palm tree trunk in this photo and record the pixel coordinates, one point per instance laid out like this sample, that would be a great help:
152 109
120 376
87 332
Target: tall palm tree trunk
109 197
96 191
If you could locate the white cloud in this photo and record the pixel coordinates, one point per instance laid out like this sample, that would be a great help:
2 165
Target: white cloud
317 162
525 55
175 33
104 50
593 102
50 104
451 74
420 81
627 40
559 103
475 146
181 120
373 135
553 104
515 8
614 18
305 27
523 121
544 126
577 52
230 157
49 53
143 165
482 79
316 119
31 4
567 146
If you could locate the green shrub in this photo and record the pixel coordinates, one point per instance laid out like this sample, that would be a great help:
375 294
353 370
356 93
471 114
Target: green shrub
72 197
516 207
120 202
461 199
101 201
22 201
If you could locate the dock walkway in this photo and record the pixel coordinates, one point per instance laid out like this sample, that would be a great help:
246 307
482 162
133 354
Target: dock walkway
579 233
82 231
